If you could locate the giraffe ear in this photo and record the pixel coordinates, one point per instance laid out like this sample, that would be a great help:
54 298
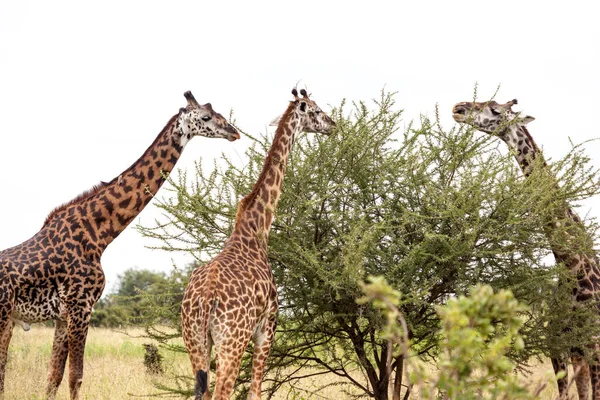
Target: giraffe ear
527 119
276 121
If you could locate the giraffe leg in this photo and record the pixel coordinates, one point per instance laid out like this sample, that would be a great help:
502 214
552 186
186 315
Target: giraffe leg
262 345
77 327
559 364
58 359
6 328
581 369
229 358
595 373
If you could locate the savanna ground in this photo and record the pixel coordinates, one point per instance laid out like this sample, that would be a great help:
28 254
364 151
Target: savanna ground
114 369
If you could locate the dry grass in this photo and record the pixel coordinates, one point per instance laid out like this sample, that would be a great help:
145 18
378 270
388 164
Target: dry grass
114 369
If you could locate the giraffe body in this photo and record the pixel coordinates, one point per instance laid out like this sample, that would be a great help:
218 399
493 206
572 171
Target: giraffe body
500 120
233 299
56 274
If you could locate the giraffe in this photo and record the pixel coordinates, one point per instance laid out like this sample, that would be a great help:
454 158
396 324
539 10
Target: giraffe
56 274
510 126
233 299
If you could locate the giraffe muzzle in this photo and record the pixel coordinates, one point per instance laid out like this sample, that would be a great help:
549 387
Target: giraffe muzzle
459 113
233 136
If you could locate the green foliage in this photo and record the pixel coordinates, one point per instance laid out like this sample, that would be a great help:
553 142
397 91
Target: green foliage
477 331
140 294
387 300
433 211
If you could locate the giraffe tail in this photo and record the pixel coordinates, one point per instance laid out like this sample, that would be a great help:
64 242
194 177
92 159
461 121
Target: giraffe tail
206 309
201 384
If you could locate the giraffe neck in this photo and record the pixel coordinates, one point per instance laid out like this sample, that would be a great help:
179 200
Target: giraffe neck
526 151
255 211
106 210
524 148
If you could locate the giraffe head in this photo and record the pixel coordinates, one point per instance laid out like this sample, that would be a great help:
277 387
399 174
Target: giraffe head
310 116
489 117
202 120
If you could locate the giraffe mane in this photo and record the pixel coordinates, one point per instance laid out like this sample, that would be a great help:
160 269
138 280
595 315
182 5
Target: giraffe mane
246 200
96 188
82 196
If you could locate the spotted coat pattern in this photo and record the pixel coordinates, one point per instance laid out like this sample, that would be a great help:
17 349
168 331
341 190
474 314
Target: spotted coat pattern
233 299
56 274
500 120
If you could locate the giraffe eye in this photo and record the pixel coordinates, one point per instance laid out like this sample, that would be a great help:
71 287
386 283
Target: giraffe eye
494 112
206 118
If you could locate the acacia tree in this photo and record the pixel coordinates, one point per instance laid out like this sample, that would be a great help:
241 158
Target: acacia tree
432 210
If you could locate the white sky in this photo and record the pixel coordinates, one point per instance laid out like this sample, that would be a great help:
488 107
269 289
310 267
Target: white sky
86 87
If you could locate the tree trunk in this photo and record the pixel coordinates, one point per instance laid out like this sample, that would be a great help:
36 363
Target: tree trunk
384 366
381 392
398 378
